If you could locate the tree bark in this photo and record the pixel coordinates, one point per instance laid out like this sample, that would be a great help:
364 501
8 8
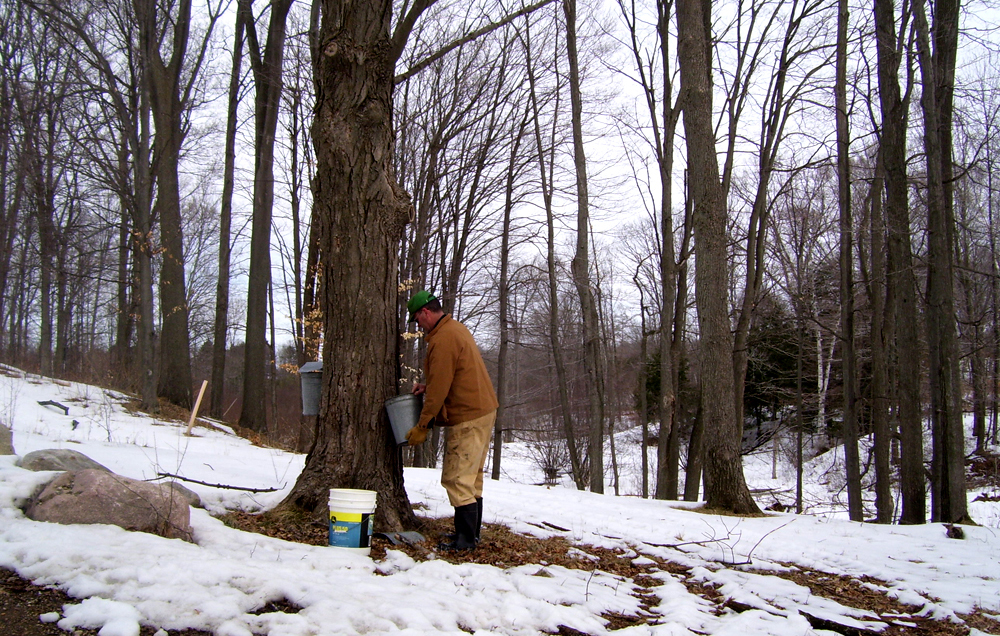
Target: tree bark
581 266
726 484
166 107
695 459
125 306
946 18
360 211
848 364
663 117
266 63
642 384
880 326
221 327
169 99
937 68
901 280
142 223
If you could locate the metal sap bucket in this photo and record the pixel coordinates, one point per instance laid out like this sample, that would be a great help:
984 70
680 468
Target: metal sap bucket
404 413
311 375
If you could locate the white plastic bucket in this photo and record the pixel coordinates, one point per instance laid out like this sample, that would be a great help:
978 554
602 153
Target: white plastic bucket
351 515
404 413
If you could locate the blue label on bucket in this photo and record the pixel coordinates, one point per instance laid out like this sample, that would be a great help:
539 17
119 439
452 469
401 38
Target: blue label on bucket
350 529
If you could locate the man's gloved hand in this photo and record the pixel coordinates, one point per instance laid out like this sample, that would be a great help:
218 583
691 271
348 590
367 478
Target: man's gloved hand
416 435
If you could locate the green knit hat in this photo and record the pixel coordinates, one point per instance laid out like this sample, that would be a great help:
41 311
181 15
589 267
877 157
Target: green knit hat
417 302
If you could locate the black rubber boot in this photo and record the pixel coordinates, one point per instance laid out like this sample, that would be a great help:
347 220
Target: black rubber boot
479 517
451 536
465 529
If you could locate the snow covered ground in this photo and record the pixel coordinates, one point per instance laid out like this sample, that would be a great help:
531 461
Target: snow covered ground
124 579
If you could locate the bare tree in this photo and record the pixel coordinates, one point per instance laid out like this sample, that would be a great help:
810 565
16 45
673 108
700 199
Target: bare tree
514 168
985 117
171 83
802 244
103 29
726 486
266 63
581 264
459 120
901 281
973 298
12 189
656 78
43 127
546 163
643 380
873 271
300 170
848 364
937 71
799 58
221 330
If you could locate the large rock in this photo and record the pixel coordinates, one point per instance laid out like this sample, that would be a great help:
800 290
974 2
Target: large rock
59 459
6 441
190 496
98 496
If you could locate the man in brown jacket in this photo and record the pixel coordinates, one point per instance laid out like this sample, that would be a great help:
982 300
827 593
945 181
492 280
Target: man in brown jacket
458 394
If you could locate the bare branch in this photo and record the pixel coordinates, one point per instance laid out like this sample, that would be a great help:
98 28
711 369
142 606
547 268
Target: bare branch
405 26
205 483
448 48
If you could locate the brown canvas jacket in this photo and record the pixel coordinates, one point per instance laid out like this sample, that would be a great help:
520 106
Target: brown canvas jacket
459 388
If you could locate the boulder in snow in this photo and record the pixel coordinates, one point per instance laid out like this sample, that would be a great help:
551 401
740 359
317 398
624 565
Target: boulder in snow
59 459
189 495
99 496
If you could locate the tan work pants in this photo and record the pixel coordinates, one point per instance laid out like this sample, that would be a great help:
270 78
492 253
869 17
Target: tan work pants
466 446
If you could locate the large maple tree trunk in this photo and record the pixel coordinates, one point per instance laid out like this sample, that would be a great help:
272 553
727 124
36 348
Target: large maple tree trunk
360 212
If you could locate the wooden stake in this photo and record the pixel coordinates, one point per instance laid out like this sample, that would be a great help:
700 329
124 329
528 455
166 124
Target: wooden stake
194 412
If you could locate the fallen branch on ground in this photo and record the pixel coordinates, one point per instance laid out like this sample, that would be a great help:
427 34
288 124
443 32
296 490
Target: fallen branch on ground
55 404
545 525
683 543
205 483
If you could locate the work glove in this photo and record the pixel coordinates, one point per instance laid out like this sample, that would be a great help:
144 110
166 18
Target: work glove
416 435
